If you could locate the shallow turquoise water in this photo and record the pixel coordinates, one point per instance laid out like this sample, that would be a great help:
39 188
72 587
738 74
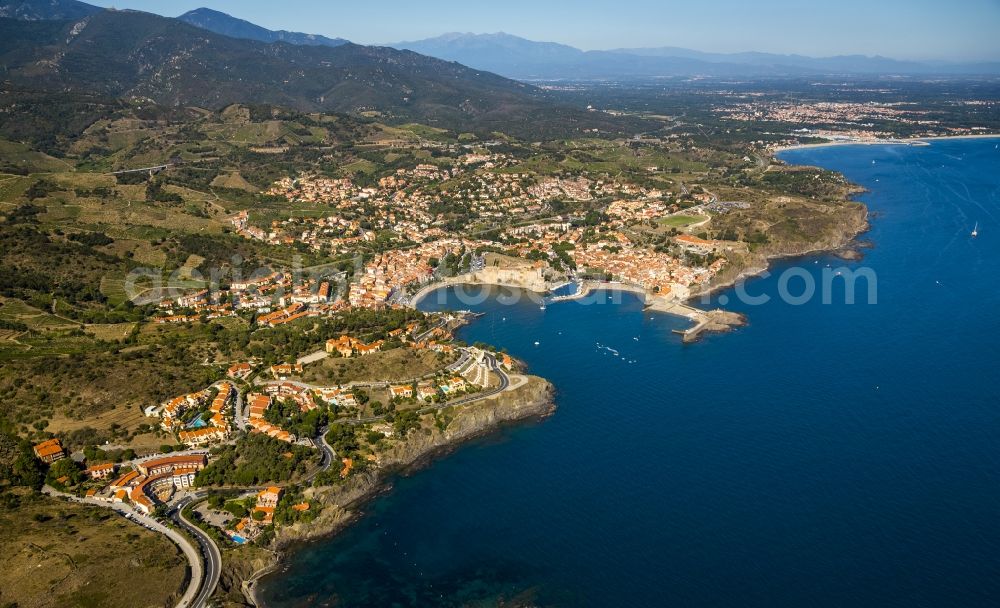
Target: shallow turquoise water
825 455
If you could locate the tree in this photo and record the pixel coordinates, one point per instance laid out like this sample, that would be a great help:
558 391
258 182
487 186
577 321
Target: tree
65 467
238 509
405 422
25 470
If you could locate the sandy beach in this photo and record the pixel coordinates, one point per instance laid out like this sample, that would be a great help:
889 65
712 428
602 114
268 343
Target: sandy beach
913 141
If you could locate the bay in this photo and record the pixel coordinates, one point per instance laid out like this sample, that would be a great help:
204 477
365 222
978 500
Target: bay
825 455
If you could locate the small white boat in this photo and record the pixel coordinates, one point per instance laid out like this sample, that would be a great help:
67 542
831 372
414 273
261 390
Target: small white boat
975 231
537 343
542 307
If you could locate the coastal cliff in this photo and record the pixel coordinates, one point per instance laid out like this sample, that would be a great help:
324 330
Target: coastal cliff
342 504
530 400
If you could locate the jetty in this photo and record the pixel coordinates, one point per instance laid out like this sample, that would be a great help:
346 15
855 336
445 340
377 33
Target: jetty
705 321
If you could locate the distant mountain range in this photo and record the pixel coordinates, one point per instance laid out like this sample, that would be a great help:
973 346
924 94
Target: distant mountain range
210 59
227 25
139 56
523 59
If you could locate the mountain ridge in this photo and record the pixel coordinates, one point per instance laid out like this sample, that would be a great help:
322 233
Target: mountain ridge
43 10
521 58
138 56
234 27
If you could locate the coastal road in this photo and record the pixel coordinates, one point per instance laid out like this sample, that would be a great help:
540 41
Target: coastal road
328 458
191 594
209 552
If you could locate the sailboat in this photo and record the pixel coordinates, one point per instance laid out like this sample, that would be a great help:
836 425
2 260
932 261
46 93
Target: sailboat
975 231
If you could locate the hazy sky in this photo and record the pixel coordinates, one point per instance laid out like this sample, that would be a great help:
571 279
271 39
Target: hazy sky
904 29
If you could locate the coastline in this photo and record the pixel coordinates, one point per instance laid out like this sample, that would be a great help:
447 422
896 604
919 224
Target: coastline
530 399
907 141
704 321
344 504
768 259
469 279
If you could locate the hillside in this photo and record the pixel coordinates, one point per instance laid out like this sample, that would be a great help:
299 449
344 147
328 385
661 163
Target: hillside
227 25
36 10
139 56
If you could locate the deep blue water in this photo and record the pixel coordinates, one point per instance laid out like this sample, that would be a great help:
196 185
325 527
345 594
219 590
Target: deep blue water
825 455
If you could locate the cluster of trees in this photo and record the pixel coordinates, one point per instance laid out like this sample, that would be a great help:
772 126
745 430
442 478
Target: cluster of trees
344 439
285 413
95 454
18 465
285 515
41 189
65 469
805 182
593 218
23 214
156 194
405 421
102 192
562 250
91 239
13 325
453 264
286 342
254 460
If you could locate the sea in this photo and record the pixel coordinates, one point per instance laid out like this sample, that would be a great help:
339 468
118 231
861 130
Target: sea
827 454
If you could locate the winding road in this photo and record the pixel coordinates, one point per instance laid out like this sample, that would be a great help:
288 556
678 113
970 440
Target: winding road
195 595
205 559
329 456
209 552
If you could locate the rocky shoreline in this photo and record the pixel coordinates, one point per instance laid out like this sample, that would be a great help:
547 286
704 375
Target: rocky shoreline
839 244
343 504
